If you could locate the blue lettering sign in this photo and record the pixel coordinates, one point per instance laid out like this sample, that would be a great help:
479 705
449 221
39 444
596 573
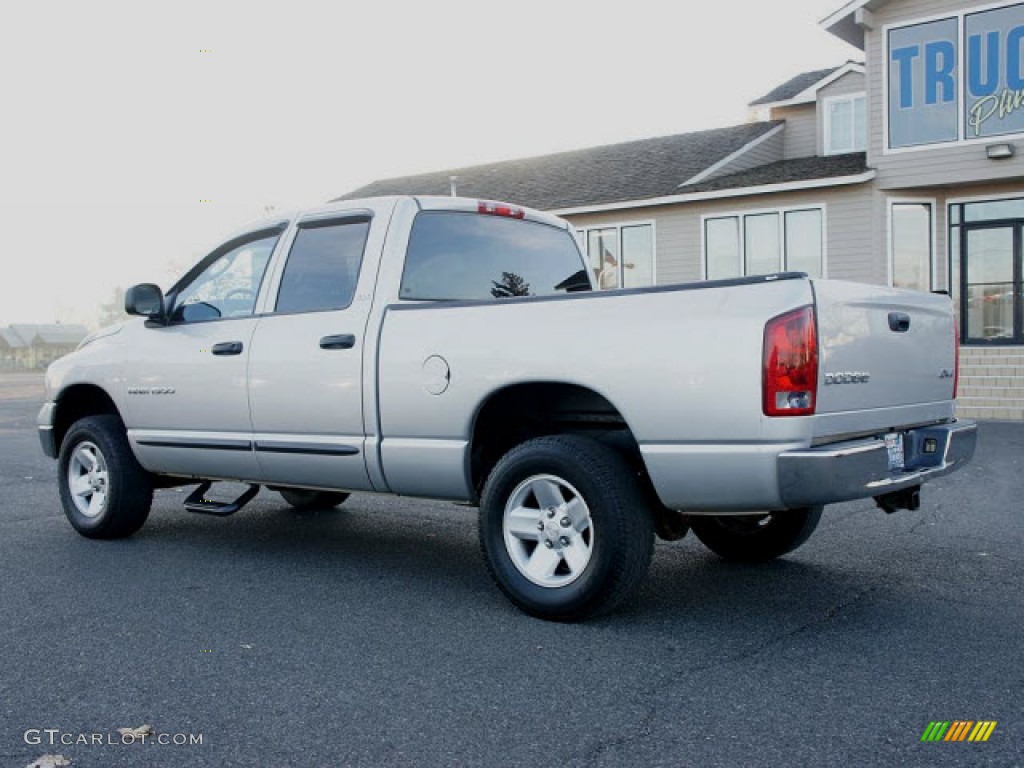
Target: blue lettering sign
905 58
924 83
941 64
983 79
995 72
1013 73
924 103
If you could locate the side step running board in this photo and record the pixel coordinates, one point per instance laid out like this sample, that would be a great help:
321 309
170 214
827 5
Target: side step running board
197 501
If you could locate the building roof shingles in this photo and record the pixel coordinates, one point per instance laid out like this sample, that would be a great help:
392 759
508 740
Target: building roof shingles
794 86
634 170
783 171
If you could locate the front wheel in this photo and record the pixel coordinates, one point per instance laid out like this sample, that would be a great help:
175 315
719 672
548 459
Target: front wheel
756 538
106 494
565 528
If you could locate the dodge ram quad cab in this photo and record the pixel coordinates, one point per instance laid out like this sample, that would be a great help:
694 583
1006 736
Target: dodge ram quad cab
448 348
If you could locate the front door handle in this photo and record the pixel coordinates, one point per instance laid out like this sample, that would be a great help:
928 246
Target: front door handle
340 341
227 348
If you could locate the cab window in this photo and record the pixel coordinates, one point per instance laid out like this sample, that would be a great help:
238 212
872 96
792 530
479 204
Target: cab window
228 286
465 256
323 265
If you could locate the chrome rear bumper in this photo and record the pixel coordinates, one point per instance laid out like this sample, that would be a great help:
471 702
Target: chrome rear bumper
859 469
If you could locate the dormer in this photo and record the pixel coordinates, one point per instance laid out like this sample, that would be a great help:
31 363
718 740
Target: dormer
824 111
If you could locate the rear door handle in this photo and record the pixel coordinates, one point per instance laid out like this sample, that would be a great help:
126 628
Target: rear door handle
339 341
227 348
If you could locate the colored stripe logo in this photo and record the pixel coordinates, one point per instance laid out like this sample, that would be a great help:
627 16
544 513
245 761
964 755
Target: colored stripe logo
958 730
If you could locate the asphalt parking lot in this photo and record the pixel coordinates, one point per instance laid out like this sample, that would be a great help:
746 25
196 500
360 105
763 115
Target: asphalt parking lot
372 635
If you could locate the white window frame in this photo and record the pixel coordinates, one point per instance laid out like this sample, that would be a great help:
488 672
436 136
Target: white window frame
583 231
783 251
932 256
827 106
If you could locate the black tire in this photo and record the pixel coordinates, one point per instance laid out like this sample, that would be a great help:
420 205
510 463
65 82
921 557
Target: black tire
304 500
127 492
621 536
756 538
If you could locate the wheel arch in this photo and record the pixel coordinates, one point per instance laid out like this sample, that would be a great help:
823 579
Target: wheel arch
78 401
518 412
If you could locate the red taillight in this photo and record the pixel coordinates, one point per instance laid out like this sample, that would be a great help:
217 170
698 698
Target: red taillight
790 372
500 209
956 359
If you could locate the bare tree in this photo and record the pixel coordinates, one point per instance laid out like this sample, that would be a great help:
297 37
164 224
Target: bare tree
112 312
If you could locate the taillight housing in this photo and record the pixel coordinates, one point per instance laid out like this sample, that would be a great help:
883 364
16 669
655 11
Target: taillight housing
500 209
789 383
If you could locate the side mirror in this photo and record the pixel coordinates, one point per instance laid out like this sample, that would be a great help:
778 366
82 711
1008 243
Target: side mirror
146 300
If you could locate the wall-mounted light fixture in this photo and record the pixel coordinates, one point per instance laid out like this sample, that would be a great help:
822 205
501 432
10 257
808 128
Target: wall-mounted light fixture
999 151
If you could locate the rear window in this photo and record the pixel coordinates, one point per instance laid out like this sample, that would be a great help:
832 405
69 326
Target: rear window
466 256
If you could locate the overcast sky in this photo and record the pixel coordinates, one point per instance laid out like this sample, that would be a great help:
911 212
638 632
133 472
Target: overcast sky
117 123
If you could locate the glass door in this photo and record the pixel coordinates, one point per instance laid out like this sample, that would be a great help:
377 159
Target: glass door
991 287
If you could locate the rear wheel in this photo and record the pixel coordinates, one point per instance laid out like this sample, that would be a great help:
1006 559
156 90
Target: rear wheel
564 528
305 500
756 538
105 492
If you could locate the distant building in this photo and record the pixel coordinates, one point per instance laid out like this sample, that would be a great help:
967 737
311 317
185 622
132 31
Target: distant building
904 170
29 347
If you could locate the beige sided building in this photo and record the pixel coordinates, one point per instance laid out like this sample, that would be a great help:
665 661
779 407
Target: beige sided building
901 169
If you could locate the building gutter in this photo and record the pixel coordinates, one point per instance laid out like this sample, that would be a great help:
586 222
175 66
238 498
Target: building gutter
850 21
719 194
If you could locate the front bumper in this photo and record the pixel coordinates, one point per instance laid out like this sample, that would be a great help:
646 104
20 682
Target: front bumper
45 423
859 469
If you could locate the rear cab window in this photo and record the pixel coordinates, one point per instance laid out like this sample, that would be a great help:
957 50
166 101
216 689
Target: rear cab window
323 265
457 256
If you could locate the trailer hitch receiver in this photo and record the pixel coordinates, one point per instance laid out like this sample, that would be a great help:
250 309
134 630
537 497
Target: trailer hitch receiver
908 498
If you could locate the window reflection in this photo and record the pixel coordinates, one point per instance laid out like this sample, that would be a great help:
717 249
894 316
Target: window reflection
603 250
620 256
228 286
722 248
990 286
990 311
468 256
764 250
993 210
771 241
911 245
638 256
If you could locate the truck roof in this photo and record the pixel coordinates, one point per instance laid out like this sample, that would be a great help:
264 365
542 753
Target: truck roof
425 202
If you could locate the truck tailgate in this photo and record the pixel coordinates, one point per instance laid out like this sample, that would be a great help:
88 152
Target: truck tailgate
882 348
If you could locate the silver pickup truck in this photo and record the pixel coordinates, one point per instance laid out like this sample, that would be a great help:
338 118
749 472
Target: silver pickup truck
455 349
